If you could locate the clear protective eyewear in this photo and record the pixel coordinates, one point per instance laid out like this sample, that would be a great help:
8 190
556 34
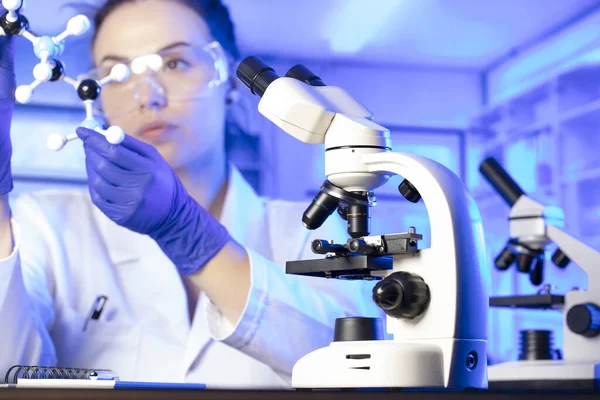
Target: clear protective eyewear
182 72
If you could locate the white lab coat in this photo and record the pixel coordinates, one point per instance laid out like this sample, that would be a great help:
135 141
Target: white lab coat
67 253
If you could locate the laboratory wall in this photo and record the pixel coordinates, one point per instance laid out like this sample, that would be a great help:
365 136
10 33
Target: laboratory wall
537 113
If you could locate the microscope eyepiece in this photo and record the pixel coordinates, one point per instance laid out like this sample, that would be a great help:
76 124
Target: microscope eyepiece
501 181
256 75
301 73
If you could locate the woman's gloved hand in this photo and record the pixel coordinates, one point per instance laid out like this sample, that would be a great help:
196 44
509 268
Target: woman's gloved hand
135 187
7 90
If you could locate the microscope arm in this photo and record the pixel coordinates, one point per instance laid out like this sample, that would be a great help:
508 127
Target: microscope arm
456 256
584 256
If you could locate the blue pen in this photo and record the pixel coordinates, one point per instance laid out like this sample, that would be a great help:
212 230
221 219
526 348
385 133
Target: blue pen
127 385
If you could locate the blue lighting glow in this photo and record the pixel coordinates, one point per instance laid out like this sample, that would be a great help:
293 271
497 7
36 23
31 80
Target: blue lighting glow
352 27
578 45
520 161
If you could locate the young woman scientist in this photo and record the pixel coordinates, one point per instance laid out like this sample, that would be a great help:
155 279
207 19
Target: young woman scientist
190 259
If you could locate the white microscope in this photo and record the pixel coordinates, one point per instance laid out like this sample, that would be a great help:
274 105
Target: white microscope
434 298
533 227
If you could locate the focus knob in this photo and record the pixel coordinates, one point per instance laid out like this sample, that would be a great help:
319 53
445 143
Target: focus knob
584 319
409 192
402 295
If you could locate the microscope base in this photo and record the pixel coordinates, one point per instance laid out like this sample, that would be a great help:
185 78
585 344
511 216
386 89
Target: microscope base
394 364
544 374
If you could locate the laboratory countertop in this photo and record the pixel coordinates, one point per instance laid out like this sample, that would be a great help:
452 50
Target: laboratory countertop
283 395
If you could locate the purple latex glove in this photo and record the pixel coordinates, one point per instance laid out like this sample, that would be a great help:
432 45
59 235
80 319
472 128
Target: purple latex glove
7 90
135 187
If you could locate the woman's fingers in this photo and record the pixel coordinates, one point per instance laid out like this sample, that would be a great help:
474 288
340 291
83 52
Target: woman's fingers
119 155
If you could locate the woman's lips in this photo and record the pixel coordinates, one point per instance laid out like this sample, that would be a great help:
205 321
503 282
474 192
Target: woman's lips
157 131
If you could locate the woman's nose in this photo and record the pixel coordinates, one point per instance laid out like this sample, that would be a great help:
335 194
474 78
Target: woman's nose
150 95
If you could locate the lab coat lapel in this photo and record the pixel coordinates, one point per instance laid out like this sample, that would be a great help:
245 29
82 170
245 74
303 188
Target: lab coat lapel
122 245
243 215
132 254
199 336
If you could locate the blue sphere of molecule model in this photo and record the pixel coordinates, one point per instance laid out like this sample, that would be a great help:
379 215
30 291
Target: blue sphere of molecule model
90 124
45 43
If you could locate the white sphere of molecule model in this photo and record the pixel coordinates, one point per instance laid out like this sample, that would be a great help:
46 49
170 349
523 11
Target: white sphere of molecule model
23 94
115 135
154 61
56 142
42 72
119 73
11 4
78 25
138 66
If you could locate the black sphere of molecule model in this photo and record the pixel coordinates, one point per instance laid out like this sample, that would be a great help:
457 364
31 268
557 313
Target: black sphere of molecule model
15 27
88 89
58 71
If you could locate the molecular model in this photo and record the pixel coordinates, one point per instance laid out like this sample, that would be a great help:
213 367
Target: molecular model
50 69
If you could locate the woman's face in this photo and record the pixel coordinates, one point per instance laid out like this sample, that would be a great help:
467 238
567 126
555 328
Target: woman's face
183 131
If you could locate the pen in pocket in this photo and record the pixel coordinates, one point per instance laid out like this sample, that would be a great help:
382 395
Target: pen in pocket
96 310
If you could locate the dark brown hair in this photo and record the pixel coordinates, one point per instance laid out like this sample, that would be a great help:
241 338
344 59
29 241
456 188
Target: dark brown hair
214 12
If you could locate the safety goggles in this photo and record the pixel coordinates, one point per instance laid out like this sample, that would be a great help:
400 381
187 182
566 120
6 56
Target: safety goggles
181 72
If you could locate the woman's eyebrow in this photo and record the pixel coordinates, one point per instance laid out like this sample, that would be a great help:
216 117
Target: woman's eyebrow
111 57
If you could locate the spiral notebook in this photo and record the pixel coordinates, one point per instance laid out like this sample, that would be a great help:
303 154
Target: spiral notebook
29 376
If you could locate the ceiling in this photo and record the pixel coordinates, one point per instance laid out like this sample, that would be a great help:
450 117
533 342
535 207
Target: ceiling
468 34
450 33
